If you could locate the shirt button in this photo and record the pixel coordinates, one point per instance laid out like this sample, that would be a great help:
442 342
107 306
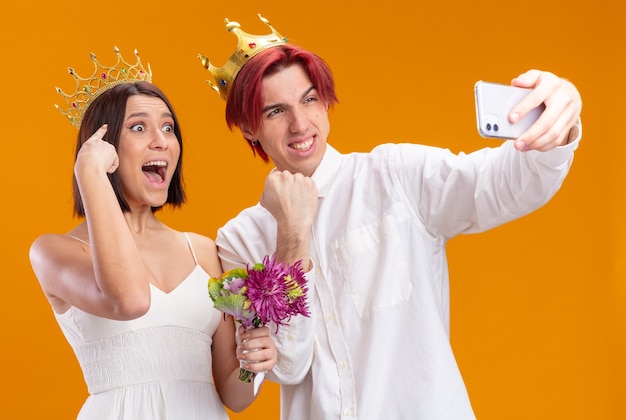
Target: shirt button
343 365
347 413
330 317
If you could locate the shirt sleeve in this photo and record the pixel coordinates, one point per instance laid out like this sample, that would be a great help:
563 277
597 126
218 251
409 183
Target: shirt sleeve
467 193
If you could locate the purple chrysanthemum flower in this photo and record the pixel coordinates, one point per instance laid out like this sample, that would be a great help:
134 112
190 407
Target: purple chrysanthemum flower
267 291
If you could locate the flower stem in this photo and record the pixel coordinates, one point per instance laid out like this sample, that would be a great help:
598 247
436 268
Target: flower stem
246 376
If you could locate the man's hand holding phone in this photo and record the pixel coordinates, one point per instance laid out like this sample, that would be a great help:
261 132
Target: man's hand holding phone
538 110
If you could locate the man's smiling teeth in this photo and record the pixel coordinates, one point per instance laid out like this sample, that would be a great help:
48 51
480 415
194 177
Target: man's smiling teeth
302 146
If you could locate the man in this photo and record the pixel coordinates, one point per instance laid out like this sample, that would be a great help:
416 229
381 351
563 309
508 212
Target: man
372 229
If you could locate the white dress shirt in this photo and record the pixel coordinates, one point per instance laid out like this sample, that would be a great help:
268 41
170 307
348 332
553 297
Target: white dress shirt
377 345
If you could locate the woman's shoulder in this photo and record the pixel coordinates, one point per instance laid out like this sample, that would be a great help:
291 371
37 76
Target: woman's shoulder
50 242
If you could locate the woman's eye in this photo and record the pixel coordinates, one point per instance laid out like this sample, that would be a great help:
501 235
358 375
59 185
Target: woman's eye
168 128
137 127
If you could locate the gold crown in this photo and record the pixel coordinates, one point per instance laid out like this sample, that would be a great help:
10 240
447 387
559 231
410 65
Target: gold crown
102 79
248 46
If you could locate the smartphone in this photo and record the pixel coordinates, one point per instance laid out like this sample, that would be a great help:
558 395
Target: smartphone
494 102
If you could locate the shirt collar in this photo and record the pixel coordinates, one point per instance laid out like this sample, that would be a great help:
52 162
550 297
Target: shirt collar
326 170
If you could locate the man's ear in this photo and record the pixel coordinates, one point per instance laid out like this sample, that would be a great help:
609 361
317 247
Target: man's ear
247 133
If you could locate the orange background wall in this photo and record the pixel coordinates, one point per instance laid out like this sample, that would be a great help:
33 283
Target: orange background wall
538 313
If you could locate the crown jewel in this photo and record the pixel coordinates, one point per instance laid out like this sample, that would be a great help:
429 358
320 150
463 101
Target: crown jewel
248 46
102 79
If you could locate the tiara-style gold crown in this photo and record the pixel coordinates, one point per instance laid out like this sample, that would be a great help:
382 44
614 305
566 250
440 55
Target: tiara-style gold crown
248 46
102 79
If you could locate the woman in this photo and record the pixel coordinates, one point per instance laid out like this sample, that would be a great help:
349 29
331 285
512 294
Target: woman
130 293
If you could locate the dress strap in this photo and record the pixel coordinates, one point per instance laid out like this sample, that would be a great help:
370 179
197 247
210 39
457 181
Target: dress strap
78 239
191 248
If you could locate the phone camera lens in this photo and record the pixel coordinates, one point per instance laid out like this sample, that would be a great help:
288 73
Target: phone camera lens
495 127
488 127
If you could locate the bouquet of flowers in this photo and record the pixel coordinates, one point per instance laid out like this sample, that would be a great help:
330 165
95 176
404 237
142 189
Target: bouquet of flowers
270 291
